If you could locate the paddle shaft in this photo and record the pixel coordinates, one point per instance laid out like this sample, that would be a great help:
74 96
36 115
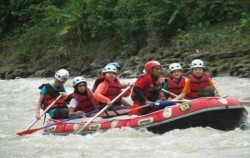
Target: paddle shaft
147 105
141 107
53 124
44 111
86 124
164 90
71 118
245 103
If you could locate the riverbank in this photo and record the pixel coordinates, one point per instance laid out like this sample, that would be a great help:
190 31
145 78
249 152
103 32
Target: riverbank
224 49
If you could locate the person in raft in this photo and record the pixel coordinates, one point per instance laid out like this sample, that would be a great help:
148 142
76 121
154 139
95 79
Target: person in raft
107 87
49 93
147 91
175 83
198 81
123 85
81 100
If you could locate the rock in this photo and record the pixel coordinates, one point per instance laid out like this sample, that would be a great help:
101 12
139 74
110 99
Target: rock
44 73
94 73
22 58
165 52
3 71
18 73
8 76
240 72
188 58
127 74
21 66
214 72
233 73
165 72
234 61
247 74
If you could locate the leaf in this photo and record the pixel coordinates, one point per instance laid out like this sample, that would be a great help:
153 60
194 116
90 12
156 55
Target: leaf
173 16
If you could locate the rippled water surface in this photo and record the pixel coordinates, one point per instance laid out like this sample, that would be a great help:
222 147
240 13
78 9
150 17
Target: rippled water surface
17 109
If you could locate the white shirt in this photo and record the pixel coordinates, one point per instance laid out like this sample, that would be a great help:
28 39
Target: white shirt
73 103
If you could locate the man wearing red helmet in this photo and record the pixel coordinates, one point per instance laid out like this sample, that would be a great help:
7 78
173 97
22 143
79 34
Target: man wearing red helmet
147 89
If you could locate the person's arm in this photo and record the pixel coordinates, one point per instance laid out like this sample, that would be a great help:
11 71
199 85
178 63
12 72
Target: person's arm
63 94
179 97
43 92
100 90
38 106
161 96
139 94
185 91
73 113
125 85
211 83
72 106
141 97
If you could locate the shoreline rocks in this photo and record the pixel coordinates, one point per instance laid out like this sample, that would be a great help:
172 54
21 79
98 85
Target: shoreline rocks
234 63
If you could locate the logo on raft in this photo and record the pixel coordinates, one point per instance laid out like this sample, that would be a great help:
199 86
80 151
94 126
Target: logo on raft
185 107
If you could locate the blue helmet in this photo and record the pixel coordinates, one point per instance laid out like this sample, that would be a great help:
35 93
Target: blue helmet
118 66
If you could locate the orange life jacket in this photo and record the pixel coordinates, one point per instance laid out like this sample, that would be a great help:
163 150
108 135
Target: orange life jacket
197 84
114 89
51 96
175 88
85 102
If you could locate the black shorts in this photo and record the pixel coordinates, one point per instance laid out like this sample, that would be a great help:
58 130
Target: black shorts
61 113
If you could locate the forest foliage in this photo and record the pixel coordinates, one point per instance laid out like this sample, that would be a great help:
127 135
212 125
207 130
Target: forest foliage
36 27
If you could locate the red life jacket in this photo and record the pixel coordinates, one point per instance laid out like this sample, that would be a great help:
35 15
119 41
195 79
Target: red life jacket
113 90
174 87
151 92
197 84
85 101
51 96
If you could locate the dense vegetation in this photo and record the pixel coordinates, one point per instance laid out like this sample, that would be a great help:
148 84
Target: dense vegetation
82 30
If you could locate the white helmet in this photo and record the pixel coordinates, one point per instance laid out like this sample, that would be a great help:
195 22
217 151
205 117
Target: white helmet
62 75
197 63
117 65
109 68
174 66
78 79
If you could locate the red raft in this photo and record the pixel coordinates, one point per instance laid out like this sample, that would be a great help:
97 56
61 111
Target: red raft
224 113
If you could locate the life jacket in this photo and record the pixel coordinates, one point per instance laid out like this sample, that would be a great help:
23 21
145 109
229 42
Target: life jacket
114 89
85 101
197 84
151 92
51 96
175 88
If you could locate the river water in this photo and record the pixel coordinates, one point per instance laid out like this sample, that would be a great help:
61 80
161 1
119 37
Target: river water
17 110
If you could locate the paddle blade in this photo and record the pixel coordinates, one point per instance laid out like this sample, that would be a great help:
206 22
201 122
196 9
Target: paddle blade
246 103
30 131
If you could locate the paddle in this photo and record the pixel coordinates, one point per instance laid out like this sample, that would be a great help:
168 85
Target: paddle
245 103
44 111
30 131
82 127
164 90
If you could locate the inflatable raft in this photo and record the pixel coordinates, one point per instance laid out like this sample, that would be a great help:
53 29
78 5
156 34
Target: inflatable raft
223 113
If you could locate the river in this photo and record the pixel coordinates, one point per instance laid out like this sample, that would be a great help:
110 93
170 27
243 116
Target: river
17 110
